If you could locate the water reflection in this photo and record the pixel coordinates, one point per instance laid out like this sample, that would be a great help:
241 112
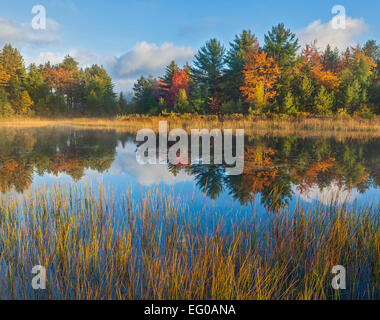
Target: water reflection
276 171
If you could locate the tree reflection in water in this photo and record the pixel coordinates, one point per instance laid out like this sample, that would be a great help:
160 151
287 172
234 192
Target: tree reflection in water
274 167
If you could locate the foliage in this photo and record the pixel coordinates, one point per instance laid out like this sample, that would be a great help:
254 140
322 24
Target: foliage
182 104
235 61
323 102
179 81
4 77
260 76
290 107
274 80
53 90
282 45
25 104
209 64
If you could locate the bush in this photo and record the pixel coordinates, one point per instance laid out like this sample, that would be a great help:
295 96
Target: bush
6 110
289 106
365 113
342 114
323 102
227 107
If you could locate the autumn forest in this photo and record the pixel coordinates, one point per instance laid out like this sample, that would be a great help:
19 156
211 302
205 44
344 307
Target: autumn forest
277 77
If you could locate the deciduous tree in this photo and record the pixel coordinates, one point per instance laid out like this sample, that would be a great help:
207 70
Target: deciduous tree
180 80
260 76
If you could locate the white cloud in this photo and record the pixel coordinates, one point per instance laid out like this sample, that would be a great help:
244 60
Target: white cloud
83 56
21 35
145 59
151 58
325 34
44 57
123 84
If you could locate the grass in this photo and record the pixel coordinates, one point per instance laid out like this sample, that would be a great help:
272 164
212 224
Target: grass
96 247
303 126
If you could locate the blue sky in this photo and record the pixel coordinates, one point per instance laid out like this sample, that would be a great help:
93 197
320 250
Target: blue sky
133 37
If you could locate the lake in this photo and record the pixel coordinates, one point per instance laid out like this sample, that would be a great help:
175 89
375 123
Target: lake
278 171
78 203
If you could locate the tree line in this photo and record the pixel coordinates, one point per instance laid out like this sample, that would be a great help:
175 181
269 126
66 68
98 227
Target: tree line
278 77
63 89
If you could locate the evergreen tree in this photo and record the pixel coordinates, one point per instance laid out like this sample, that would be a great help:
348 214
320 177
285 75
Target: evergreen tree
169 72
352 96
372 50
13 70
323 102
235 61
306 90
6 110
357 77
143 98
209 65
122 104
36 86
69 64
282 45
12 62
330 59
198 98
74 92
289 107
99 88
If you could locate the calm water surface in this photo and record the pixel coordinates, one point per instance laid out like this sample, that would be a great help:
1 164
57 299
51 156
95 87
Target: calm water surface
279 171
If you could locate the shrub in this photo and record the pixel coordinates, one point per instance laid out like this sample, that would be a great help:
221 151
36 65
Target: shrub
365 113
6 110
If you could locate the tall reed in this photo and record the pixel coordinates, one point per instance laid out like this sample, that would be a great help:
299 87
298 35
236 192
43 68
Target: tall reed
96 247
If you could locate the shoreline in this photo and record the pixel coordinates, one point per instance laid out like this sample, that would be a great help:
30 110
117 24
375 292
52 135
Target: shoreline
304 127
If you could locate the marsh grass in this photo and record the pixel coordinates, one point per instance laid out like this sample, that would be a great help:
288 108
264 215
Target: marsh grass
333 126
96 247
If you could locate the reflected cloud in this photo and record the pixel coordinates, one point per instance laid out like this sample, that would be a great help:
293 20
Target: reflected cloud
147 175
333 193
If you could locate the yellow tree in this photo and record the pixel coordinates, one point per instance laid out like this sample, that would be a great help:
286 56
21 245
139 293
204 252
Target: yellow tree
259 78
25 104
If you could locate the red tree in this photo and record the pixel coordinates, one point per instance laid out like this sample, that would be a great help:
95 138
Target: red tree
159 89
180 80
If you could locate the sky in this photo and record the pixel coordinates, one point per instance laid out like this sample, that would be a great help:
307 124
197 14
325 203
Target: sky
140 37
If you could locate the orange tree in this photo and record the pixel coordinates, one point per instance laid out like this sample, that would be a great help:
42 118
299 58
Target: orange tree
260 77
312 67
60 80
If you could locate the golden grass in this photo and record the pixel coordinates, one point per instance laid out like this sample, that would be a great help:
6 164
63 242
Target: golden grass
97 248
306 127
